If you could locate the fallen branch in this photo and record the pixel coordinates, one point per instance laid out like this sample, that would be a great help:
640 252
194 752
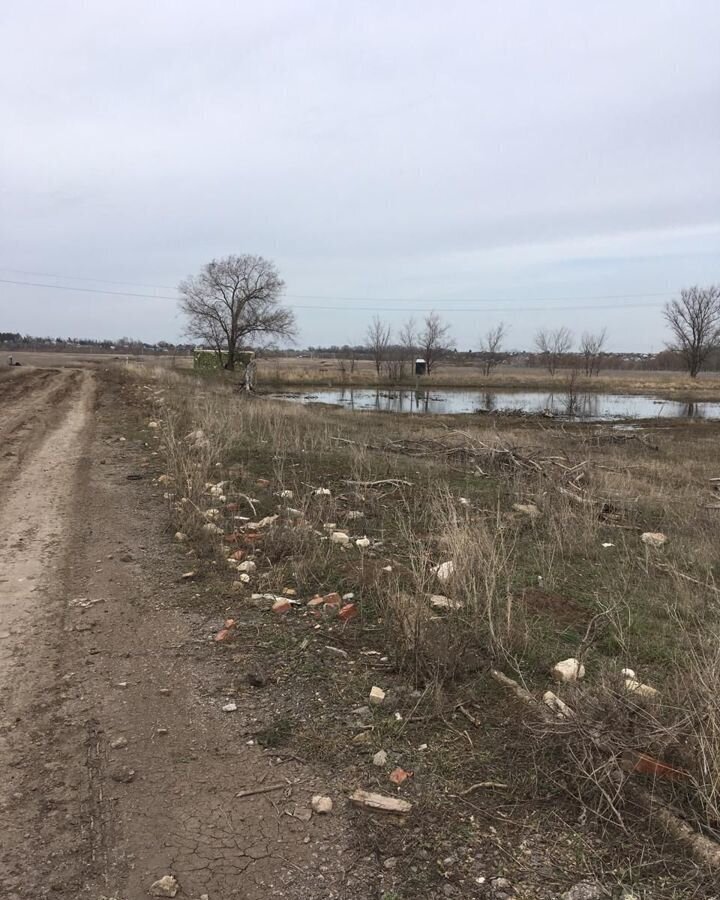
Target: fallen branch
265 789
500 785
395 482
703 849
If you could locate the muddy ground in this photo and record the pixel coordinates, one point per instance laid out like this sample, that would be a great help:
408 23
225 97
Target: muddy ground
118 767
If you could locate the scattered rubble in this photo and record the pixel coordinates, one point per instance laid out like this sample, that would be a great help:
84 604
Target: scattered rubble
347 612
226 631
321 804
527 509
558 706
84 602
568 670
379 802
399 775
642 690
444 571
654 539
167 886
439 601
377 695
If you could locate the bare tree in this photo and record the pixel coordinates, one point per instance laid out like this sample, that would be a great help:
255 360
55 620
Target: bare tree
590 349
490 346
408 345
694 320
378 338
434 341
552 345
233 301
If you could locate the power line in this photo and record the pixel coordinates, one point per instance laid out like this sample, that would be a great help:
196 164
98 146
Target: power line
510 309
476 299
334 297
64 287
164 287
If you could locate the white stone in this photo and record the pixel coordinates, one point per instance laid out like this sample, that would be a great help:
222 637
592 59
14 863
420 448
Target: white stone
268 520
321 805
377 695
568 670
642 690
362 542
560 708
339 537
322 492
380 759
653 538
180 536
167 886
247 566
439 601
527 509
286 495
230 707
444 571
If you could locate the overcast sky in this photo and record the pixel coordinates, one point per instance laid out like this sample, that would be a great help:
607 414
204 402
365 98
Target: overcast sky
503 158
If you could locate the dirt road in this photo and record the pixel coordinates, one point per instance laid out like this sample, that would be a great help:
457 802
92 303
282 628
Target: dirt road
120 765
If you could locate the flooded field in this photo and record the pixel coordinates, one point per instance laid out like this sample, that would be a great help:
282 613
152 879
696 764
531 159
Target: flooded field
586 406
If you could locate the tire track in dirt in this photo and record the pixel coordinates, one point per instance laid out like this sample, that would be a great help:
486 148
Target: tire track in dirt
122 765
152 706
33 516
31 403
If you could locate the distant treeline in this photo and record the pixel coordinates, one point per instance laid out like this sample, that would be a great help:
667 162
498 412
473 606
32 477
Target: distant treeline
665 360
10 340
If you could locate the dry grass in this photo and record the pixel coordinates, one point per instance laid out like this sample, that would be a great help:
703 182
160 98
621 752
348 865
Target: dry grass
528 588
294 372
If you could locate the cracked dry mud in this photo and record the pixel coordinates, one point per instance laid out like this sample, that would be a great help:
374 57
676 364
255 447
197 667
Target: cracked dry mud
125 667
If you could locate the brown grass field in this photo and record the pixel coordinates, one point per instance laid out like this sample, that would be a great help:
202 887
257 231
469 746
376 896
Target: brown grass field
300 372
543 523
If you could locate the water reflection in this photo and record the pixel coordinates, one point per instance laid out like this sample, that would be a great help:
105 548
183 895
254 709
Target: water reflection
567 404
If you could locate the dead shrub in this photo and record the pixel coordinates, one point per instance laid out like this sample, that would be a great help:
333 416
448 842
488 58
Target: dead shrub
480 621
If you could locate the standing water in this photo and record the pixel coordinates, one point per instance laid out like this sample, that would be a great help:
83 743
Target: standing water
589 407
